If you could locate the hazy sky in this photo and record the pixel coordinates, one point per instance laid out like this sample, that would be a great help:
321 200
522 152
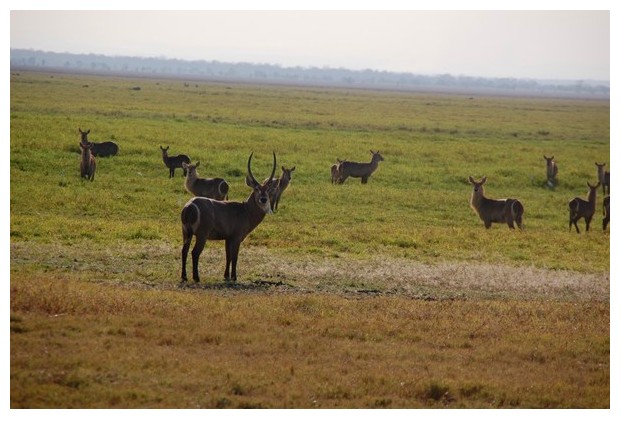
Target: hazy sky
519 44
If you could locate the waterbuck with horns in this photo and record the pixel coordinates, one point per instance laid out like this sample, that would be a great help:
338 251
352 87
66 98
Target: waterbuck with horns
216 189
360 169
508 211
552 170
580 208
174 162
231 221
88 165
278 187
603 177
99 149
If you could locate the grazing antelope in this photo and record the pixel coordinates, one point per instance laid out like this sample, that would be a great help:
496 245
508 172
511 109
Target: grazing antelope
88 165
224 220
552 170
509 211
278 187
603 177
216 189
605 212
580 208
174 162
99 149
360 169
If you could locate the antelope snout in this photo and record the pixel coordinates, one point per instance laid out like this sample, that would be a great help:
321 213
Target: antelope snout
263 202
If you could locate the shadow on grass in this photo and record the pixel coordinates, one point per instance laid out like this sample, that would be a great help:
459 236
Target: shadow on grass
253 285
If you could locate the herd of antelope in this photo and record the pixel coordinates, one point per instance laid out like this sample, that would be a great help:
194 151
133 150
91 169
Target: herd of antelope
209 215
510 210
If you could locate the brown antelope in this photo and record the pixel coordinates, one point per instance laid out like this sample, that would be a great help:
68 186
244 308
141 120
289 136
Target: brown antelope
231 221
605 212
174 162
99 149
216 189
603 177
580 208
552 170
278 187
360 169
509 211
88 165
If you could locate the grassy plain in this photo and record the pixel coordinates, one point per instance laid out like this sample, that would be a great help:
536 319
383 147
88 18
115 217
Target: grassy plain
390 294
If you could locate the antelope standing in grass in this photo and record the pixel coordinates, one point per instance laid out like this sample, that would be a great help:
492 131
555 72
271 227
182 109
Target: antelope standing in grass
99 149
603 177
174 162
360 169
216 189
88 165
278 187
508 211
552 170
605 212
580 208
231 221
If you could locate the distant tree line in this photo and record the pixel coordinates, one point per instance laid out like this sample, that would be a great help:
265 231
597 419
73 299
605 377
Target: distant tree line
25 58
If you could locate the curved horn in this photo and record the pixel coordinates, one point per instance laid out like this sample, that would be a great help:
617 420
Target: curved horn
250 175
273 172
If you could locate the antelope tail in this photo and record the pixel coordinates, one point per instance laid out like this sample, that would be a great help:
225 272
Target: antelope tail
516 210
190 217
223 189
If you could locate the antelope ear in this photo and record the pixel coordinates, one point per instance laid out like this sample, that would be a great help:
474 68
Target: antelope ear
197 163
293 169
471 180
184 164
483 180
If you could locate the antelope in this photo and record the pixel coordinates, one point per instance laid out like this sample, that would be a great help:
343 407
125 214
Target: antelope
231 221
509 211
606 212
278 187
580 208
603 177
335 170
174 162
216 189
552 170
360 169
88 165
100 149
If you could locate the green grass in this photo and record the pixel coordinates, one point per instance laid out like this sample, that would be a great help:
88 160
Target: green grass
341 278
431 145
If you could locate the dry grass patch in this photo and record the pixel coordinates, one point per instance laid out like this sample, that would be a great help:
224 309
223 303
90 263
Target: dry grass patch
77 344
